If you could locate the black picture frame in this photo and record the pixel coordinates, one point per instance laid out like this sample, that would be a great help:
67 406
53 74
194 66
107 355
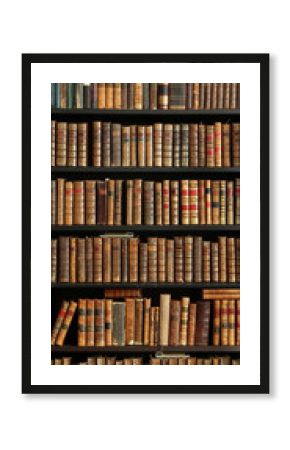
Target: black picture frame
263 61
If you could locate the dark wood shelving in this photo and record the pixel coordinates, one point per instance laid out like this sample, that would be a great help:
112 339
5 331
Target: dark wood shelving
145 349
55 112
144 285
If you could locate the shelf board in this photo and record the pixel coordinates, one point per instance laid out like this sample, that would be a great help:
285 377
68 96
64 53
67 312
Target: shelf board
144 285
55 112
145 349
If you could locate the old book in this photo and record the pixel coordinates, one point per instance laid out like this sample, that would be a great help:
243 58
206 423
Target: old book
138 96
208 201
99 329
79 203
193 145
133 145
170 261
231 259
133 260
63 266
213 95
82 322
214 262
167 148
116 260
237 260
202 323
201 202
109 95
174 202
201 145
149 145
207 96
238 322
222 259
226 145
106 144
131 93
90 196
54 269
139 324
157 325
153 95
210 156
116 156
53 202
230 202
236 144
82 144
201 95
188 259
177 93
72 151
161 259
137 201
184 320
130 321
184 151
216 330
231 322
110 184
223 202
162 95
118 202
119 323
220 96
60 200
179 259
90 338
89 255
68 202
59 320
189 95
124 261
98 259
218 144
158 202
233 95
94 95
117 94
121 293
226 90
97 144
146 96
195 98
143 262
86 96
224 322
73 260
66 323
146 333
176 144
197 261
53 126
165 202
151 326
216 202
157 149
101 202
61 144
149 202
126 143
152 259
107 260
185 215
130 184
206 262
219 294
108 322
175 317
237 201
141 146
193 202
191 329
165 300
81 260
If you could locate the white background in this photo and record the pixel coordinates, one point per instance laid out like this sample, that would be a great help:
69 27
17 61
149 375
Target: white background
222 422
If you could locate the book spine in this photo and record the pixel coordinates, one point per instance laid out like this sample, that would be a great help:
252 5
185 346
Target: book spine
138 96
133 260
166 202
59 320
214 261
118 202
222 259
191 324
218 144
207 95
117 96
130 321
161 260
101 202
149 202
119 323
216 332
137 201
201 96
52 142
158 202
201 145
185 218
195 98
72 156
90 187
147 307
230 202
178 259
226 89
193 202
231 322
223 202
215 202
210 157
63 245
124 96
54 268
90 323
208 202
167 149
124 260
189 95
197 252
152 259
106 144
149 145
224 322
53 202
82 144
98 259
116 145
133 145
165 300
231 260
116 260
213 95
97 144
109 95
146 96
170 260
66 323
233 95
193 145
238 322
89 257
86 96
237 260
141 146
107 260
99 329
162 95
79 203
129 201
81 260
201 202
110 202
153 95
158 132
139 325
184 144
202 323
61 144
174 327
63 95
206 262
126 159
237 201
108 322
176 144
174 202
226 144
184 320
73 260
236 144
220 96
176 94
60 201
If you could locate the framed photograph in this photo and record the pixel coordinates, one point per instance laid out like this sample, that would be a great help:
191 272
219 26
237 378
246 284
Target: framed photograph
140 245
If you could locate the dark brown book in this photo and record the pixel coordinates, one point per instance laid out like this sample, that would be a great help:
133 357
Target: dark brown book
89 258
188 259
107 260
90 202
202 323
231 260
101 202
61 144
90 322
201 202
108 322
175 318
176 144
226 144
146 96
237 260
152 260
63 266
124 260
73 260
161 259
232 322
81 260
130 321
133 260
97 144
216 202
165 202
130 91
82 322
158 202
82 144
184 320
110 189
116 160
188 95
106 144
179 259
197 262
184 145
79 203
72 154
116 260
60 201
119 323
123 293
118 202
162 95
153 95
99 329
174 202
53 126
201 95
158 133
224 322
53 202
191 330
149 202
177 95
124 96
238 322
139 324
98 259
216 330
126 153
141 146
54 269
201 145
237 201
236 144
149 145
230 202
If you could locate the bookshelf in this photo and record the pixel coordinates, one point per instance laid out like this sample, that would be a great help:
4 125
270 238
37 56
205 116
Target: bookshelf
95 290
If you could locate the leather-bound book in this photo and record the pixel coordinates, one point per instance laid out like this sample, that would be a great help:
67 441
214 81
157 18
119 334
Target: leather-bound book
197 259
81 260
179 259
156 325
230 202
68 202
133 146
129 201
90 186
97 144
110 201
235 362
94 95
79 202
73 260
149 202
151 326
225 360
143 262
116 260
226 95
53 142
232 322
154 361
152 259
224 322
53 202
184 144
121 292
124 96
149 145
137 201
53 260
89 255
184 320
124 260
98 259
170 260
185 216
207 96
147 307
193 202
63 99
161 259
210 157
238 322
106 144
146 96
92 360
218 144
175 317
79 97
72 154
221 294
216 328
193 145
66 323
201 202
108 322
174 202
101 202
90 322
226 145
59 320
119 323
176 144
238 95
202 323
214 262
231 259
189 88
133 260
220 96
208 202
223 202
165 202
158 202
86 96
60 201
138 96
195 98
67 360
162 95
63 253
141 147
99 328
126 153
139 324
82 322
201 145
214 98
237 201
116 160
215 202
117 96
158 147
191 329
177 93
153 95
191 361
109 95
165 300
233 95
188 259
237 260
118 202
236 144
201 95
107 260
130 321
82 144
222 259
131 99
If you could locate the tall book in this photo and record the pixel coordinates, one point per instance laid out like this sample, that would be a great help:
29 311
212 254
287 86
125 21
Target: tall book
202 323
165 300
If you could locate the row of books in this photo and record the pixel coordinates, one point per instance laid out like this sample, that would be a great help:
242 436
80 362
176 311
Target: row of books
145 95
106 259
104 322
155 145
136 202
170 360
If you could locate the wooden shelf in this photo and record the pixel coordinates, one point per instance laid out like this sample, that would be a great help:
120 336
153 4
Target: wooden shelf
145 349
144 285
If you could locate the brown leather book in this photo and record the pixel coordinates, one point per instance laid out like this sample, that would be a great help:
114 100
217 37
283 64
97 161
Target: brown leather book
177 95
126 153
191 329
214 96
66 323
59 320
184 144
101 95
106 144
231 259
193 202
233 95
117 96
109 95
219 294
165 202
94 95
116 260
208 201
185 215
193 145
230 202
101 202
63 266
72 153
143 262
61 144
174 202
170 260
236 144
176 144
67 361
108 322
214 262
232 322
90 186
53 202
153 95
237 201
216 330
149 202
133 260
147 307
79 203
98 259
197 259
107 260
184 320
60 201
222 259
130 321
210 156
216 202
226 89
224 322
207 95
165 300
90 322
223 202
158 143
201 95
191 361
89 255
81 260
99 329
97 144
82 322
238 322
118 202
116 160
161 259
119 323
129 201
162 95
124 260
53 126
201 202
138 96
139 324
73 260
149 145
188 259
130 91
195 98
137 201
141 146
82 144
110 184
179 259
68 203
124 96
133 145
152 259
122 293
156 325
237 260
202 323
175 317
218 144
189 95
238 95
226 145
158 202
201 145
151 326
220 96
53 260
